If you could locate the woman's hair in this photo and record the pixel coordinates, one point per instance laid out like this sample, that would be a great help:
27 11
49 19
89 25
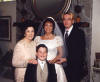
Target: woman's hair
27 24
51 21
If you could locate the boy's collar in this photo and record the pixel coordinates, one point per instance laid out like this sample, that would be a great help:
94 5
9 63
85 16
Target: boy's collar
41 62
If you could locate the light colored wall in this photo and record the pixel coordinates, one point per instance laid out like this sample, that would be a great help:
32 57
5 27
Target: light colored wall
95 29
95 32
9 9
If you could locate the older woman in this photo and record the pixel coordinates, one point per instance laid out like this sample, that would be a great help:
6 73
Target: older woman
24 53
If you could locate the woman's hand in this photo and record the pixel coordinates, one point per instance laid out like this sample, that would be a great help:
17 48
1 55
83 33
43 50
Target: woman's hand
32 61
61 60
54 60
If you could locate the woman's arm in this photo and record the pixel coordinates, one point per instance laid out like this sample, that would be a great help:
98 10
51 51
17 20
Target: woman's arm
59 50
60 54
19 59
58 58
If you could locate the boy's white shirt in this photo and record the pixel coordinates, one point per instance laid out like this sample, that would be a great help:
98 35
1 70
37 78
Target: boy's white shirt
42 63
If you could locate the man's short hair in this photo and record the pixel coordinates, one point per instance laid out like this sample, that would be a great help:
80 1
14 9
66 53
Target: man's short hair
69 13
43 46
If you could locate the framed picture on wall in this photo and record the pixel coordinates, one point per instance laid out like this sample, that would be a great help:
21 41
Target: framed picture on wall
5 28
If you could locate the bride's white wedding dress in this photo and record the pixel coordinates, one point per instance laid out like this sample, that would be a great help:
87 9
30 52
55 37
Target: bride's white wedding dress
52 53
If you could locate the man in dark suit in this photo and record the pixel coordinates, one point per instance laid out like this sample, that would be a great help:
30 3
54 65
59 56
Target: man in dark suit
75 41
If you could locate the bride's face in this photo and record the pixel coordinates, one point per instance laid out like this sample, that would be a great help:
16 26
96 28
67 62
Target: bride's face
48 27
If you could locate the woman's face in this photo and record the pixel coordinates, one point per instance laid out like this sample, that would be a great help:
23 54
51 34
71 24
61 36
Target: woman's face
29 33
48 27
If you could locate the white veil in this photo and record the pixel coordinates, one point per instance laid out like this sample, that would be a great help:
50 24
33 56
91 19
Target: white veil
57 32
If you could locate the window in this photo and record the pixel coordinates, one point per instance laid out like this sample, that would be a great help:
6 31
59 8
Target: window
6 0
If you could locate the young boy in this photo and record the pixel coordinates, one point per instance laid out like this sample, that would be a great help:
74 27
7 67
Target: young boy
43 71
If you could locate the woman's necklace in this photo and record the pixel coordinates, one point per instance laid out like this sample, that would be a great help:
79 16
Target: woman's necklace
50 36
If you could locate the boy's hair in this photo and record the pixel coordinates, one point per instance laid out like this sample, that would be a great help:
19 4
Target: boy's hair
43 46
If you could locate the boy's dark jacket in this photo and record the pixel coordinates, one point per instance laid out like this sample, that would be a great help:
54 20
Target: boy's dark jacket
31 73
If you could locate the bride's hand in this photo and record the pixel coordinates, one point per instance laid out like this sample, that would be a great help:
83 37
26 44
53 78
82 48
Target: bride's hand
32 61
61 60
54 60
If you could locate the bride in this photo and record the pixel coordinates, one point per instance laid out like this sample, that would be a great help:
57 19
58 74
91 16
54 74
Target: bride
49 36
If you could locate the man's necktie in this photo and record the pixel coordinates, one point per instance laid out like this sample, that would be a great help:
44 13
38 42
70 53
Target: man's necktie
66 35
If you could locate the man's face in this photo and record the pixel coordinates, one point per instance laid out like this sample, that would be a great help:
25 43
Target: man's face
42 53
68 20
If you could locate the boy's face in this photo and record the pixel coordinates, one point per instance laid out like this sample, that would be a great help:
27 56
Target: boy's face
42 53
